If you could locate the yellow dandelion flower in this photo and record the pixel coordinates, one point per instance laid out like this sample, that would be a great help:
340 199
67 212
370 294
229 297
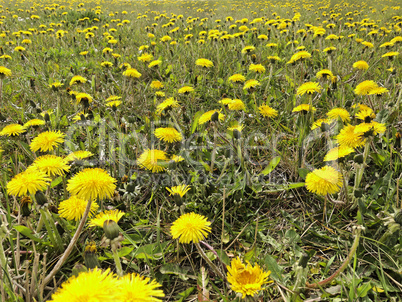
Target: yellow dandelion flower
324 73
135 288
132 73
52 165
5 72
338 152
169 135
324 181
84 98
309 88
185 90
246 279
365 87
366 115
247 49
154 63
77 155
300 56
77 80
206 117
237 78
339 113
267 111
12 130
149 160
166 105
106 216
92 183
251 84
28 182
319 122
190 227
390 54
378 91
375 127
303 108
236 105
361 65
156 84
145 57
74 207
47 141
258 68
204 63
348 138
94 285
178 190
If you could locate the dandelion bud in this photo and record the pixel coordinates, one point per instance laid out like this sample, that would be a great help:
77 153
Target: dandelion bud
130 187
358 193
78 268
236 134
25 209
358 159
90 256
215 116
47 117
40 198
111 229
324 127
398 217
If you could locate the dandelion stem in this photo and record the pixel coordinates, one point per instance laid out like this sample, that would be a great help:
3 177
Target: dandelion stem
70 247
116 258
344 264
213 266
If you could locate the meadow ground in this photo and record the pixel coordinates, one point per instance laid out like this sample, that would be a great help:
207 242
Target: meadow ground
200 150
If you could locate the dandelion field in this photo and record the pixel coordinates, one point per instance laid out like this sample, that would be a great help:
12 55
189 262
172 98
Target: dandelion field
200 151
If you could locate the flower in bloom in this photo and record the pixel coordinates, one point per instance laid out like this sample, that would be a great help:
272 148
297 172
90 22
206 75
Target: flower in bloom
251 84
47 141
156 84
246 279
80 154
267 111
166 105
178 190
365 115
373 126
52 165
84 98
303 108
338 152
154 63
12 130
106 216
135 288
94 285
341 113
190 227
206 117
309 88
145 57
319 122
185 90
378 91
92 183
324 73
149 160
4 72
258 68
28 182
361 65
114 104
390 54
204 63
300 56
248 49
74 207
237 78
169 135
365 87
132 73
77 80
236 105
324 181
348 138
